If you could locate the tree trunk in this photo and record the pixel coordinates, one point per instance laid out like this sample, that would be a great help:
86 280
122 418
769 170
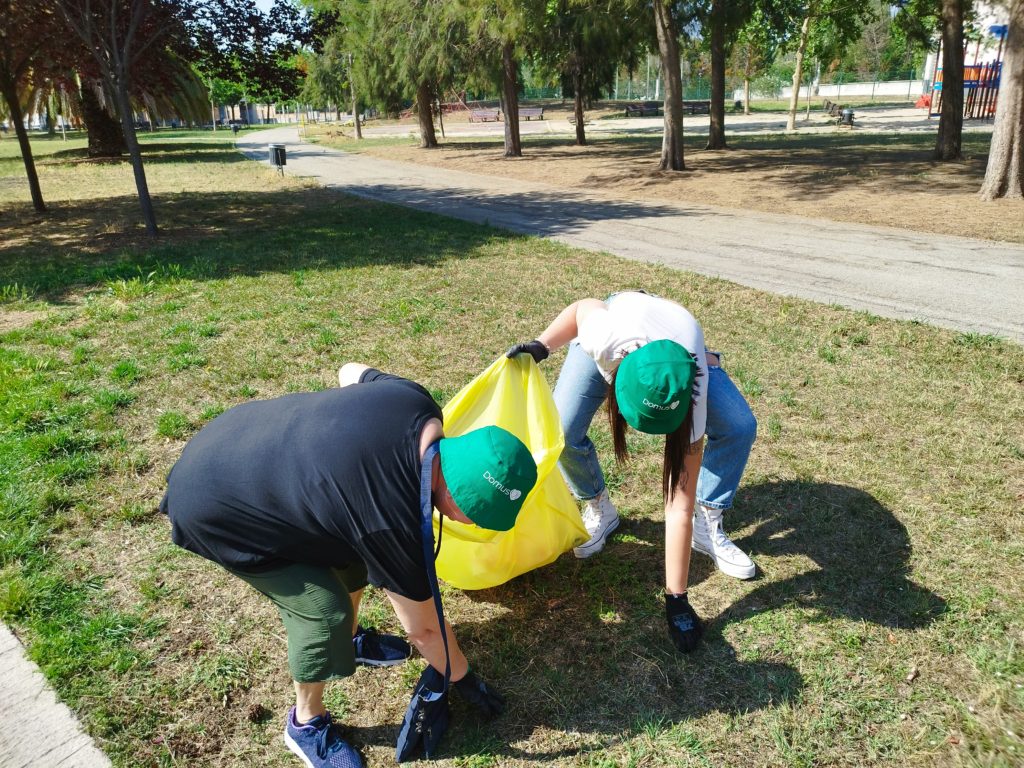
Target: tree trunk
746 96
577 86
668 51
951 115
1004 176
510 101
424 114
51 127
14 108
716 131
125 108
798 73
106 139
355 111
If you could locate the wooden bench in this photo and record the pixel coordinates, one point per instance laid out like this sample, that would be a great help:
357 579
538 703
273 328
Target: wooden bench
644 109
528 113
483 115
697 107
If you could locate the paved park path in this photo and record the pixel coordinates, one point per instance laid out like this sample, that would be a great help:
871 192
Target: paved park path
955 282
36 730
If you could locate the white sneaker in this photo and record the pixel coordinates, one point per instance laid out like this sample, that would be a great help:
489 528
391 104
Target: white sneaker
709 538
599 518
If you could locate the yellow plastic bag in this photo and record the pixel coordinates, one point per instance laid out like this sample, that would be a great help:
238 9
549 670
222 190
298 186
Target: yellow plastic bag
514 395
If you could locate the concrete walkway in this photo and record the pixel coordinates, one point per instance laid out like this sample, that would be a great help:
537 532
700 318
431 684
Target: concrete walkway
36 730
955 282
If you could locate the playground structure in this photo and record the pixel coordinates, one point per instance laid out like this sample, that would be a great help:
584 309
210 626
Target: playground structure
981 81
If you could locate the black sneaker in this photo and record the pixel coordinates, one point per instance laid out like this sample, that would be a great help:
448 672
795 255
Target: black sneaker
377 650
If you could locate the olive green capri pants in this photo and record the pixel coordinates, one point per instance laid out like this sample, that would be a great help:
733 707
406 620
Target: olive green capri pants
316 609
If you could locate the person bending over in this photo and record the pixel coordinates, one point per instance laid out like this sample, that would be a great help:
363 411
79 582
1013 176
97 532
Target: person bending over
646 356
308 497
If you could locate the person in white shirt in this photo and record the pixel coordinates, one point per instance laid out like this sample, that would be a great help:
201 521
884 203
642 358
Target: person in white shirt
646 356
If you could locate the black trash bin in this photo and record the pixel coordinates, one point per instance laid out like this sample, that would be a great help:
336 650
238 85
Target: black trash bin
277 155
846 117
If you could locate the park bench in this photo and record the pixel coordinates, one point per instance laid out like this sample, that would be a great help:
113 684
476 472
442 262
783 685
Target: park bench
697 107
528 113
644 109
483 115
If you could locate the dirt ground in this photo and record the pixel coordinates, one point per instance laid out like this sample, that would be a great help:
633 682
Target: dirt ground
879 179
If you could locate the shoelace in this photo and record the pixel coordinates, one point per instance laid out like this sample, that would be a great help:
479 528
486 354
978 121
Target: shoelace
716 534
323 748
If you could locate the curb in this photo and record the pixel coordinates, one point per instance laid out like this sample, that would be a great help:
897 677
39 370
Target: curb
35 728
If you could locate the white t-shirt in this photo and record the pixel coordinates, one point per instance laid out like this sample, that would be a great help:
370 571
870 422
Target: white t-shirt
632 319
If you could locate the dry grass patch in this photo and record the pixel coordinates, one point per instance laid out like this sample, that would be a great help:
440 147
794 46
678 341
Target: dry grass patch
887 180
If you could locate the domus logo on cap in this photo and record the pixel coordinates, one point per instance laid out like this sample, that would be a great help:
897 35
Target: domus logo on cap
512 493
489 473
654 386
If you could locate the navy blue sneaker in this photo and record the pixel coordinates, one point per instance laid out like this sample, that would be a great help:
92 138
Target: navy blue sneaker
317 745
377 650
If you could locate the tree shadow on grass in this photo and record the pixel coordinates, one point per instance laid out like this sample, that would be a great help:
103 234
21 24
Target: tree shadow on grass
582 648
216 235
152 152
212 235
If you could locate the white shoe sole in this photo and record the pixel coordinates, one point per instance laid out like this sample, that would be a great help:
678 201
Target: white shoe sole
593 547
729 569
294 747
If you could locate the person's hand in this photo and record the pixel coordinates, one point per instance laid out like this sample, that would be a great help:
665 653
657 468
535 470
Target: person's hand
426 718
684 625
481 695
534 349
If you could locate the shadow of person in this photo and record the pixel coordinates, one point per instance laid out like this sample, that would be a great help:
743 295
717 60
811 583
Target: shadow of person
581 652
859 549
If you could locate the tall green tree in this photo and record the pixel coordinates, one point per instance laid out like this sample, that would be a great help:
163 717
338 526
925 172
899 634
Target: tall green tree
1004 176
501 33
584 42
922 19
756 46
826 28
951 113
119 33
666 29
403 50
327 76
25 28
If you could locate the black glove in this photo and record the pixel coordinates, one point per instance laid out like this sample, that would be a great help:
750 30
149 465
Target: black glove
535 349
481 695
425 720
684 625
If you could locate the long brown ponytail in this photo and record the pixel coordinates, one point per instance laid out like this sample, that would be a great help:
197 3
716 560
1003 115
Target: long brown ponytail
677 444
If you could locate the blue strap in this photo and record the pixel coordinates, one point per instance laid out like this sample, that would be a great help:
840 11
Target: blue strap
427 531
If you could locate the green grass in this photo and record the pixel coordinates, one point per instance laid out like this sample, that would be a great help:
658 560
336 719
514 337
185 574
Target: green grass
882 501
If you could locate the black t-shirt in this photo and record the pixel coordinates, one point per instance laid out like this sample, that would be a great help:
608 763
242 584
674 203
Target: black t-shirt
324 478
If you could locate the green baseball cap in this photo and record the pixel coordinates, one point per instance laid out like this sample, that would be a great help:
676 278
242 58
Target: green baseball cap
489 473
654 385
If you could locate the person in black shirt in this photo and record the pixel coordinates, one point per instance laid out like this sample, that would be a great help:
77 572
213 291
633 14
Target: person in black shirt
308 497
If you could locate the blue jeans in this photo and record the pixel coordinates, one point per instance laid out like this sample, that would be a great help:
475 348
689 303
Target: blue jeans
731 429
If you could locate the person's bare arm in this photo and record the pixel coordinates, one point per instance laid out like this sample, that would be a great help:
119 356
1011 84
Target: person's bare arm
566 326
350 373
420 622
679 524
